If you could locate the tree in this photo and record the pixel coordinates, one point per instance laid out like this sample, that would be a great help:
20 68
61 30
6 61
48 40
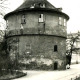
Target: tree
3 7
71 46
3 56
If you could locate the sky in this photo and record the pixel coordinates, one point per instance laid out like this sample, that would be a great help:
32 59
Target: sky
70 7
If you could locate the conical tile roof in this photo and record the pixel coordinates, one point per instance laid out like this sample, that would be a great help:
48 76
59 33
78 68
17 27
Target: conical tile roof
35 4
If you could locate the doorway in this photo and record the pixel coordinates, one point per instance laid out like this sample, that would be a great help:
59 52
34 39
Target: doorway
55 66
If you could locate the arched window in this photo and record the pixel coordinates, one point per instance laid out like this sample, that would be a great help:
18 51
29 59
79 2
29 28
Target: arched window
55 48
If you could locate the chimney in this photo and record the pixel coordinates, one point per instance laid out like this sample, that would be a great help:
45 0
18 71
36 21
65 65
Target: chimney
60 9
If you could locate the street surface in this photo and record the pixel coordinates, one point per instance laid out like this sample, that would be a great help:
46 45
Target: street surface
73 72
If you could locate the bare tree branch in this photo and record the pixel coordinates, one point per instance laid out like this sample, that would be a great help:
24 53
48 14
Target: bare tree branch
71 40
3 6
2 1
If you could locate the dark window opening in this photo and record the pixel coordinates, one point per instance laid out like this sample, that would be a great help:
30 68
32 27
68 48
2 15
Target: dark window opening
55 48
40 16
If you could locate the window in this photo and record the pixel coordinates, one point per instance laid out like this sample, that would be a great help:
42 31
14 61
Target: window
23 20
42 5
55 48
65 22
41 18
60 21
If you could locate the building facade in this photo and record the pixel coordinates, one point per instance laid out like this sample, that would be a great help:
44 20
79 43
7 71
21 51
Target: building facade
36 32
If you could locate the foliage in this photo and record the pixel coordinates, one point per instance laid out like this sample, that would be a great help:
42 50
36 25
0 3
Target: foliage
3 9
71 41
5 62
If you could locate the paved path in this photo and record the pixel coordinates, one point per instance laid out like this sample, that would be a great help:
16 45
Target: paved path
53 75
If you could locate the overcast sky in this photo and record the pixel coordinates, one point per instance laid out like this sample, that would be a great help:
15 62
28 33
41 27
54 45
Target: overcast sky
70 7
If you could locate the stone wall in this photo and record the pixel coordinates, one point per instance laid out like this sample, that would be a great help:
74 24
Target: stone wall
32 43
39 48
33 26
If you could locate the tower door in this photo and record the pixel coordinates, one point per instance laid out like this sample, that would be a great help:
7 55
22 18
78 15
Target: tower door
55 66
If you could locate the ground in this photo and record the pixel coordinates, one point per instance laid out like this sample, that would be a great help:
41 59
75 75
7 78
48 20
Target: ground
73 72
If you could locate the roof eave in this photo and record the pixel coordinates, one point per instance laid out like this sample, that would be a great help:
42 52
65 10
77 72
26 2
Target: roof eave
34 9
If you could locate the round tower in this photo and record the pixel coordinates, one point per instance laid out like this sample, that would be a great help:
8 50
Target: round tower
36 34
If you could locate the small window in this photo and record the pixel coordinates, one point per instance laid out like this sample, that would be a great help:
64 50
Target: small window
41 18
60 21
42 5
23 20
65 22
55 48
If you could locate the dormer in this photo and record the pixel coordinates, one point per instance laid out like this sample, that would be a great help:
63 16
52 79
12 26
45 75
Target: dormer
42 5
